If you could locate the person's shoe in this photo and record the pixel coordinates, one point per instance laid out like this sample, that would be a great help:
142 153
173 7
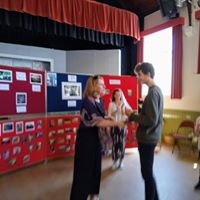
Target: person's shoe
114 166
94 197
121 166
197 186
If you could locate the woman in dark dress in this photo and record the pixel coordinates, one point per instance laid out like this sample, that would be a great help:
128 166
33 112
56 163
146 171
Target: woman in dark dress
87 161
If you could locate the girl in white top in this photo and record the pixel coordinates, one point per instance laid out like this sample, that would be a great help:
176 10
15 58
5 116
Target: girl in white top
197 132
117 110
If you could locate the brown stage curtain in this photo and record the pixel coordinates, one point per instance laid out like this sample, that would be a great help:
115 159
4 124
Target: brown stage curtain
82 13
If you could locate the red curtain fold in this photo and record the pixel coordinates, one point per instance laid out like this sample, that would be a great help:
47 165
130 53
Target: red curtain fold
197 16
140 46
177 55
82 13
198 67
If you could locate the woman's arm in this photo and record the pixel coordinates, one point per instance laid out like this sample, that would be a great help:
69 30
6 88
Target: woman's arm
103 123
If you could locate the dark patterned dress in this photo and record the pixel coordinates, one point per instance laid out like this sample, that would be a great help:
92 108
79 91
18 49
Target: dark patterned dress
87 161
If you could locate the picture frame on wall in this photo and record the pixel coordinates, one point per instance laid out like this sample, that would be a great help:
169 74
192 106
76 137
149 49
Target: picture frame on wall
6 76
71 90
36 78
21 98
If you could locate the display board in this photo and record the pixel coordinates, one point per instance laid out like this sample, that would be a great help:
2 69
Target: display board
61 135
22 91
128 84
22 143
64 91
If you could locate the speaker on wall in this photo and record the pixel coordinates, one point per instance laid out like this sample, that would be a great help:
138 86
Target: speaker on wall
168 8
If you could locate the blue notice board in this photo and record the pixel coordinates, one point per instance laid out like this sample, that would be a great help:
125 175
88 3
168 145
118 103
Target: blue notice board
64 91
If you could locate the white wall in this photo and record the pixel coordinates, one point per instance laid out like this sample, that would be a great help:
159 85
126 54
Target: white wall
58 56
191 80
94 62
86 62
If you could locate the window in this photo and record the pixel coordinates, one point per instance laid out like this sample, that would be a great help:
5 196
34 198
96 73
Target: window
25 61
157 50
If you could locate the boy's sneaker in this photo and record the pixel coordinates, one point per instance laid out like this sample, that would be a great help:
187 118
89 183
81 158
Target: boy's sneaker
197 186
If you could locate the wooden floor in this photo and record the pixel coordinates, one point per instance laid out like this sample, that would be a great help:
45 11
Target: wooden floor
52 181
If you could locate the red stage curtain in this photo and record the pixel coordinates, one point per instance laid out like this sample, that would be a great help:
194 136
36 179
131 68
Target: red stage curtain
177 55
140 45
197 16
82 13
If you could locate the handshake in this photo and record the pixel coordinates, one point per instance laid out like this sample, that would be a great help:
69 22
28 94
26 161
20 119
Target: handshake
120 123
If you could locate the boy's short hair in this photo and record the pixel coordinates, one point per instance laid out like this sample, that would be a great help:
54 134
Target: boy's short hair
146 68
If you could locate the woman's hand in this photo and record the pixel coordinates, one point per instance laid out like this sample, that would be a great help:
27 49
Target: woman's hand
120 124
128 112
109 118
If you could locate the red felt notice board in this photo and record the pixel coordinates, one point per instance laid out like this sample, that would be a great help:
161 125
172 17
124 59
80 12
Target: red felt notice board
129 86
22 91
61 135
22 143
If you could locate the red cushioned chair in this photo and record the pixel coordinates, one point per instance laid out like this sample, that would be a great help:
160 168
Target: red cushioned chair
184 135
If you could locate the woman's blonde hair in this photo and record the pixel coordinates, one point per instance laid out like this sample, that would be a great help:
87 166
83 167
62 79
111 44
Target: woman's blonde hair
90 85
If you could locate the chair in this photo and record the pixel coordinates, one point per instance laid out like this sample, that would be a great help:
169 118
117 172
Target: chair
184 134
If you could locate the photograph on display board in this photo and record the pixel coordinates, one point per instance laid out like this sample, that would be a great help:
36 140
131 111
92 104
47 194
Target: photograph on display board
52 149
130 92
21 76
52 123
6 76
6 154
39 124
24 139
30 147
8 127
19 127
26 158
68 148
5 140
107 91
21 98
52 133
60 131
16 150
12 161
61 148
60 122
36 78
51 79
38 134
71 90
60 140
15 140
30 137
38 146
30 126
